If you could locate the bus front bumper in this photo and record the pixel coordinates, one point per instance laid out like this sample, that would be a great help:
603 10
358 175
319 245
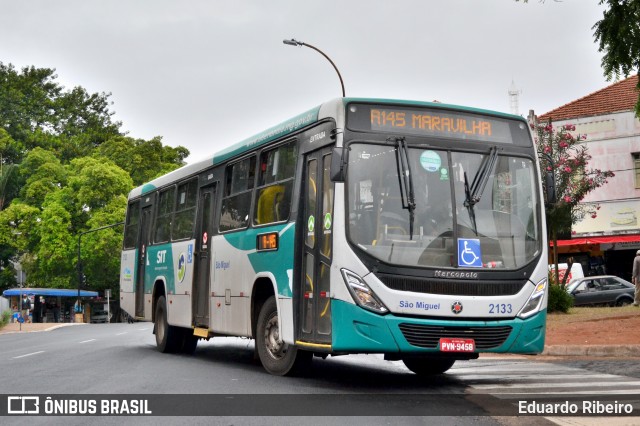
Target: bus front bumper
356 330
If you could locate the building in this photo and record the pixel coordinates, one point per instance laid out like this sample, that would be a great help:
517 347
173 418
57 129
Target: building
608 242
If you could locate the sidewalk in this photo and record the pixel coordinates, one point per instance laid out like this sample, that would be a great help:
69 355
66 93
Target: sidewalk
593 350
29 327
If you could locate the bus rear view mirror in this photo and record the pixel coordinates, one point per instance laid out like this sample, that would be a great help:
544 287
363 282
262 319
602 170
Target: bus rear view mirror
337 165
550 188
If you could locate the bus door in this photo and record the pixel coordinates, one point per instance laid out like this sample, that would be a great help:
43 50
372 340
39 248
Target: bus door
143 245
317 205
201 284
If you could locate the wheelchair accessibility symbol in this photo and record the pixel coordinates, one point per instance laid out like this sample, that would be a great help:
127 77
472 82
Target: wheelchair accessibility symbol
469 254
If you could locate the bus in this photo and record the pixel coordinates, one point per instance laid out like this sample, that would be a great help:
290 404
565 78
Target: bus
413 230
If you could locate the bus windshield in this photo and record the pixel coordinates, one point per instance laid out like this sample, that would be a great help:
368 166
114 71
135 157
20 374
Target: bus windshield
423 223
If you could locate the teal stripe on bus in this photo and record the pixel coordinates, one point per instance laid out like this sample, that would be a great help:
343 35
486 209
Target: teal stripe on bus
277 262
358 330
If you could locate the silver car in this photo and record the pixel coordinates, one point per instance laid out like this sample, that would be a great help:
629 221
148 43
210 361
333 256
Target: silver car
99 317
601 290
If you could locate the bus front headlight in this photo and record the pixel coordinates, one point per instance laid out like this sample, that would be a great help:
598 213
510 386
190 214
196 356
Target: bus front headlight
535 300
362 294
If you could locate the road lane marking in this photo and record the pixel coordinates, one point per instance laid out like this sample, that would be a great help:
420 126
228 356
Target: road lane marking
120 334
143 329
32 353
87 341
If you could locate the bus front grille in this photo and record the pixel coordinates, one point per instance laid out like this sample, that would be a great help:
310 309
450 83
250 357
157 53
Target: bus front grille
453 287
428 336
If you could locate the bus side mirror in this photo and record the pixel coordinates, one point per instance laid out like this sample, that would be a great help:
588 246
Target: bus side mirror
338 165
550 188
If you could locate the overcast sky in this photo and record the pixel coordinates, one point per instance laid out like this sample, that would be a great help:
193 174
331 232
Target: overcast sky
206 73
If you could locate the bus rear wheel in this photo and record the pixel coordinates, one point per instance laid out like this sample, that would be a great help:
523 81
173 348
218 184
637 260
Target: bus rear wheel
189 342
277 357
425 366
168 337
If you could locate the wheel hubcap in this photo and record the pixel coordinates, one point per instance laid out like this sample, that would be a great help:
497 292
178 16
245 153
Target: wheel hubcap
275 346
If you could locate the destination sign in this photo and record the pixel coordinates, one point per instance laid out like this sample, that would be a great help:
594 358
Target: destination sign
267 242
435 123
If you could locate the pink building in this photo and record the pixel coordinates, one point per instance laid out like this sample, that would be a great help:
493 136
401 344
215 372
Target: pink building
613 139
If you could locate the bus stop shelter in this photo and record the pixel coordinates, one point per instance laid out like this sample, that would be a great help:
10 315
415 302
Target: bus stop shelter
18 293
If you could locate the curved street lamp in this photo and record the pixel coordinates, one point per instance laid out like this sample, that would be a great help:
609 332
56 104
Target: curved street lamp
294 42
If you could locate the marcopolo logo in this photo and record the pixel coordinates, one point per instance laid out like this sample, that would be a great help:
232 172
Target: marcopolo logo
23 405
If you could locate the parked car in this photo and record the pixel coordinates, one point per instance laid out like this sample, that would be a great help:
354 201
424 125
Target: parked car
601 290
99 316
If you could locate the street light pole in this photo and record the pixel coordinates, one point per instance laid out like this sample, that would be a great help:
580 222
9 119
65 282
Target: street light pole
294 42
79 262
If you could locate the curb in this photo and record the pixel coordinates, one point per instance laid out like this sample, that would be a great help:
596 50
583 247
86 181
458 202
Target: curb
593 350
26 329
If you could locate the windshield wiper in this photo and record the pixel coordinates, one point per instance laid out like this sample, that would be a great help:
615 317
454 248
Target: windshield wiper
469 205
407 193
473 194
481 178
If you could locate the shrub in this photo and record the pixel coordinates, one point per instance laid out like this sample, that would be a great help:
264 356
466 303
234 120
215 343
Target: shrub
4 318
559 299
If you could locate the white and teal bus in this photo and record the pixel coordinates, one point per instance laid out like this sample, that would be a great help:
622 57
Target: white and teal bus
410 229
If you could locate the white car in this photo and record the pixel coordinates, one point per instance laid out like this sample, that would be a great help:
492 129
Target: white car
99 317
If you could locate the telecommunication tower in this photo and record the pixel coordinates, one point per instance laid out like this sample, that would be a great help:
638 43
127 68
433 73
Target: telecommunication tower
514 94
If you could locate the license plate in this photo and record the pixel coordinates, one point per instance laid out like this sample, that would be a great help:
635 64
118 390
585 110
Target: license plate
457 345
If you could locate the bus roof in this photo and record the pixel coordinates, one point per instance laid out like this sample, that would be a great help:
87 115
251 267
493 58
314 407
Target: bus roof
328 109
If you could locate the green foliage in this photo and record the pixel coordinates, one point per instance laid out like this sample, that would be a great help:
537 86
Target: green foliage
10 149
4 318
618 33
96 182
65 168
7 275
32 101
559 299
144 160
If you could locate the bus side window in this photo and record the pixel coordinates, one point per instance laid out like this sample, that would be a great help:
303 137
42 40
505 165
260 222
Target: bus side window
164 215
236 204
131 229
275 181
185 216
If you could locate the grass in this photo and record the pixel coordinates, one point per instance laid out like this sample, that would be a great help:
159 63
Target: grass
588 313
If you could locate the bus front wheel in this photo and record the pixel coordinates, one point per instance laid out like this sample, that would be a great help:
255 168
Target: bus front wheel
277 357
428 366
168 337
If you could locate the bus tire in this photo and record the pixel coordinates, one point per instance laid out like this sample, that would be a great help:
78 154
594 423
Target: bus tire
168 337
425 366
190 342
278 358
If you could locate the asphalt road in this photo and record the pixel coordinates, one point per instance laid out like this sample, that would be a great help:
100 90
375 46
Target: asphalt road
121 359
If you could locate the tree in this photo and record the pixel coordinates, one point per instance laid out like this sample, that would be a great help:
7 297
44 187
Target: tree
42 174
17 238
31 101
66 168
144 160
619 35
561 154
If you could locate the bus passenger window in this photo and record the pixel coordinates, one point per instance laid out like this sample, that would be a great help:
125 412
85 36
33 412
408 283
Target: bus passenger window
131 229
236 204
164 215
185 210
275 182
